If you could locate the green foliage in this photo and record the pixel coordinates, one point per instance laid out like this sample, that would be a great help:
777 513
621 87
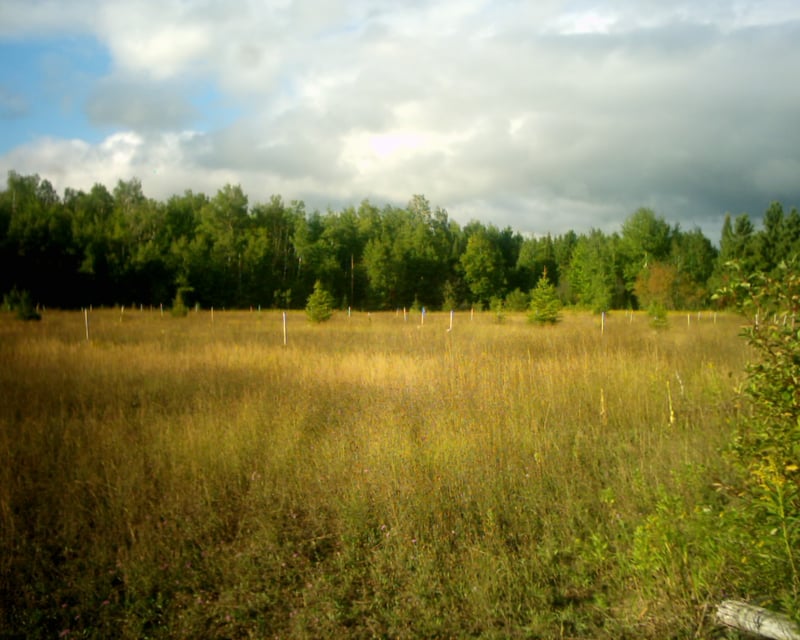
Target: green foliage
766 450
179 308
319 306
593 271
482 263
498 309
114 247
657 313
451 301
20 301
545 307
645 238
517 300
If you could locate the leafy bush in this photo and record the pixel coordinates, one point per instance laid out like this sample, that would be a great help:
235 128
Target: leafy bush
20 301
319 306
739 537
766 451
517 300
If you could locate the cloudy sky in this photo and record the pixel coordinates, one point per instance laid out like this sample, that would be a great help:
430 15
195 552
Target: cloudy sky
543 115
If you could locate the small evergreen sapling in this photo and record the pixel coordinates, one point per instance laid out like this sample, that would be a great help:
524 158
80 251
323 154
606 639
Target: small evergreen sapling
545 307
319 306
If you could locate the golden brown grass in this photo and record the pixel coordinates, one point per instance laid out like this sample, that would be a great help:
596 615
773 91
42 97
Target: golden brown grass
373 477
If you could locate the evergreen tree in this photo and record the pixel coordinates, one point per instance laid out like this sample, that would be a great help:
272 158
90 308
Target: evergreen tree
545 307
319 307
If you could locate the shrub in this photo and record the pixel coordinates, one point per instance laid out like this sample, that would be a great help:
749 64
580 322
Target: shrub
20 301
766 450
319 306
517 300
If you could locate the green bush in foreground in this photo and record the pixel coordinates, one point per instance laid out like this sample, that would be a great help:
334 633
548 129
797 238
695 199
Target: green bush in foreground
740 536
766 451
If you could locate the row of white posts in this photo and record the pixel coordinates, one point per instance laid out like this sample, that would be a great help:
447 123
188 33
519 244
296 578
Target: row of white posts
405 318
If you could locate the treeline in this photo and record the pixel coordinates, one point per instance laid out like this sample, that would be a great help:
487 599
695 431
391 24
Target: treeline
120 247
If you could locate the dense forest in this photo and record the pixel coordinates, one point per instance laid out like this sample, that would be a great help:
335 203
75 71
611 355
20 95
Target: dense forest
120 247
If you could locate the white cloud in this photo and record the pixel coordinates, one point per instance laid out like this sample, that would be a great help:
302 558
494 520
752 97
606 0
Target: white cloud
545 116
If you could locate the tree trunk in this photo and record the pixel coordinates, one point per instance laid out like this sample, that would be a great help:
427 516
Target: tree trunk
752 619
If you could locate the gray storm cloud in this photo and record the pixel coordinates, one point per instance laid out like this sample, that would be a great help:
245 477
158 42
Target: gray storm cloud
545 118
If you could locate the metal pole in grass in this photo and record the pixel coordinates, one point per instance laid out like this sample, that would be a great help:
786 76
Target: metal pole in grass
451 321
86 322
284 328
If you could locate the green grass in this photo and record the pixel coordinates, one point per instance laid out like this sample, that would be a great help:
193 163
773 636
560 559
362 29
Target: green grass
175 477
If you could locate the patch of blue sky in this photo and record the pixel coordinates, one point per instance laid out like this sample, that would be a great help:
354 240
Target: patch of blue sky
213 110
44 83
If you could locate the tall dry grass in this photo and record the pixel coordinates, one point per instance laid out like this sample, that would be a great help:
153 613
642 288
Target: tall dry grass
374 477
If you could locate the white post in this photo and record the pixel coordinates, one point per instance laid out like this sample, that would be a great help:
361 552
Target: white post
471 314
86 322
688 319
451 320
405 315
603 323
161 306
121 312
284 328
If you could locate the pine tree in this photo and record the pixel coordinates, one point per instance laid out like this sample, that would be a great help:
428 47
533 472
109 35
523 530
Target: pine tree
545 307
319 306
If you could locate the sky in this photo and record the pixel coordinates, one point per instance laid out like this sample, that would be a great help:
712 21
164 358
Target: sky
543 115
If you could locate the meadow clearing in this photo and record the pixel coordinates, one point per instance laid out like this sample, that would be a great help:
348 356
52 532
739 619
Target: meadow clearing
183 477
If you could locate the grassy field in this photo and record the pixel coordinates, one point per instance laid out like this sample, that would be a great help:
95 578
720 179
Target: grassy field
190 477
